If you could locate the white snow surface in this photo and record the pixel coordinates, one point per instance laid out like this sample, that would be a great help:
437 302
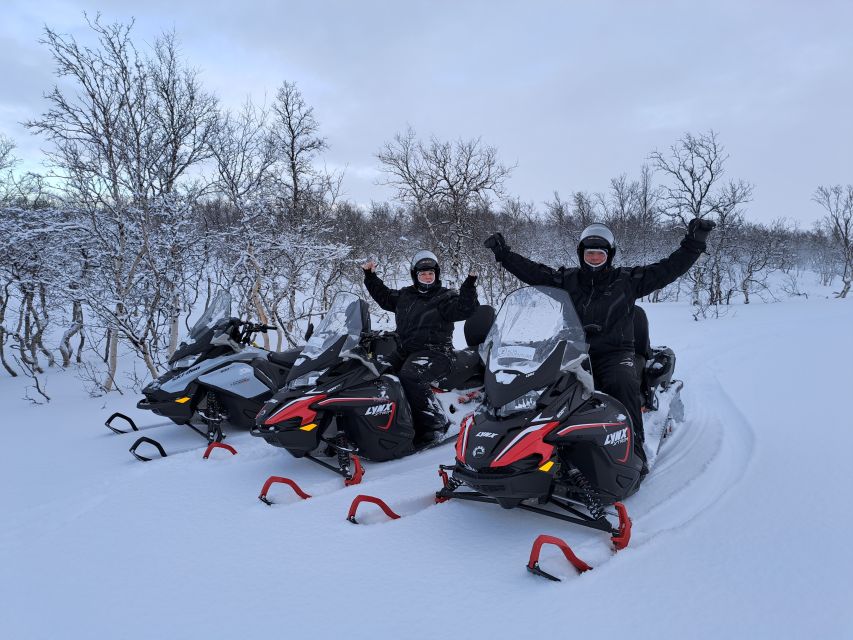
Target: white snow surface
741 530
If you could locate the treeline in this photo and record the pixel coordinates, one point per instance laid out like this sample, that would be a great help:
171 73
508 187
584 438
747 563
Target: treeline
157 197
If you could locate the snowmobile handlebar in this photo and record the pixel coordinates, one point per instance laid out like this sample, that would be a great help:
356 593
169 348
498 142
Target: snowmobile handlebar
251 327
243 330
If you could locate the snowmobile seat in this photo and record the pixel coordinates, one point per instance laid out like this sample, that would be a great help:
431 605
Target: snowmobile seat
642 345
466 367
478 324
273 375
284 358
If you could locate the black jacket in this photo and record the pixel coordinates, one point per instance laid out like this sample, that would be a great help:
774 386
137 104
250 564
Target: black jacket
424 320
605 299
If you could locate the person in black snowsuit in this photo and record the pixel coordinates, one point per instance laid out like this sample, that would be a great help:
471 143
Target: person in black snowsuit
604 298
425 313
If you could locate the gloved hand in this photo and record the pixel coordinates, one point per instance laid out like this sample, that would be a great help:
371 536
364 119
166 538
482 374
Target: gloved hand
496 243
699 228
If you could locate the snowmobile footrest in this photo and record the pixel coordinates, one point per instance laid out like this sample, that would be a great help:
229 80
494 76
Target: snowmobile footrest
364 498
218 445
278 479
151 441
533 564
623 537
120 416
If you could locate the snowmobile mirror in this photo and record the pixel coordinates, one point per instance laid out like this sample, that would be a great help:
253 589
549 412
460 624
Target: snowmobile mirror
310 331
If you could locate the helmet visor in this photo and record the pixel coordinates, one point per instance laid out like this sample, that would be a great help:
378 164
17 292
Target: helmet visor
595 257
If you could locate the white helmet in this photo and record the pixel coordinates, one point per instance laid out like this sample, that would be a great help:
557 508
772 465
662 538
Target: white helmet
423 261
597 236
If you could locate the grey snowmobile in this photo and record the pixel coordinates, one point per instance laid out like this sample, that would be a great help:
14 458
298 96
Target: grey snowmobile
211 380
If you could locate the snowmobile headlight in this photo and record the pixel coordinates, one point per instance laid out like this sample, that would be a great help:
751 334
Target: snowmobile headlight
522 403
183 363
308 380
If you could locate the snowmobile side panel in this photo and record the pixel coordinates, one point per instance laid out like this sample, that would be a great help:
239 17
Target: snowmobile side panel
237 378
183 379
377 417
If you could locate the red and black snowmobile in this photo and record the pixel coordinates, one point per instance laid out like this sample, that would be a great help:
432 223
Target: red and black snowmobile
543 439
341 399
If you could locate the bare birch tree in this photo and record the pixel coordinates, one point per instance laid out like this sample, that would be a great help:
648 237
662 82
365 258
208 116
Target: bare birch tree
837 201
443 181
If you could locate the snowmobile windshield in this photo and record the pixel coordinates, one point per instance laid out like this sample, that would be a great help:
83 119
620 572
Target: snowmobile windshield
532 322
219 309
344 320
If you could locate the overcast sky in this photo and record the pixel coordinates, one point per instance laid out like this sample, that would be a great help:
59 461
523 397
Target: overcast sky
573 93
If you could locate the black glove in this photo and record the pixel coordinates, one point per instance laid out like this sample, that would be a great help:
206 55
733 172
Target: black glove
699 228
496 243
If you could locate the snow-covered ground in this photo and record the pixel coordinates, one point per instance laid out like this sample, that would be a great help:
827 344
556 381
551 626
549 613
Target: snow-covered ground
741 530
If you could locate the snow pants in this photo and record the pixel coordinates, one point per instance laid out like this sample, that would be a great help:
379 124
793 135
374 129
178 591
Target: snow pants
417 373
616 374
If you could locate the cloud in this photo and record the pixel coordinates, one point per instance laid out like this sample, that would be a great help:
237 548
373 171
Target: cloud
574 93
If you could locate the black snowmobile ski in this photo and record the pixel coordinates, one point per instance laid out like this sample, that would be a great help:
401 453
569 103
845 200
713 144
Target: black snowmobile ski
131 425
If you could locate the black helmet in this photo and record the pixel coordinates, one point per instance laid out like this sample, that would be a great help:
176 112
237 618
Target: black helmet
425 261
597 236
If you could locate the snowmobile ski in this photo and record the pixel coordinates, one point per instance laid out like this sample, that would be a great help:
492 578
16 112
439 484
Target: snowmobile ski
109 424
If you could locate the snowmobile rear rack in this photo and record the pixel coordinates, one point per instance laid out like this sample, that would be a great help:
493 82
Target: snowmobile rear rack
365 498
533 564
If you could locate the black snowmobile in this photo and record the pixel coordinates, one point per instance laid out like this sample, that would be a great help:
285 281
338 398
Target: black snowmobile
543 436
342 399
211 378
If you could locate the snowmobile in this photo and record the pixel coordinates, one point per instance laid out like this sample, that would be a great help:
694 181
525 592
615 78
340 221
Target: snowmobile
211 378
543 439
342 400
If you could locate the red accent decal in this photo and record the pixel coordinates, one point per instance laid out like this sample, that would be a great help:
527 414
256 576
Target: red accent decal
530 444
462 438
563 432
628 448
363 498
218 445
370 400
300 408
278 479
623 537
356 474
391 417
576 562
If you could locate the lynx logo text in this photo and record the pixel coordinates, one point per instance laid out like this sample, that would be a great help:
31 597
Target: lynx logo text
617 437
379 409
